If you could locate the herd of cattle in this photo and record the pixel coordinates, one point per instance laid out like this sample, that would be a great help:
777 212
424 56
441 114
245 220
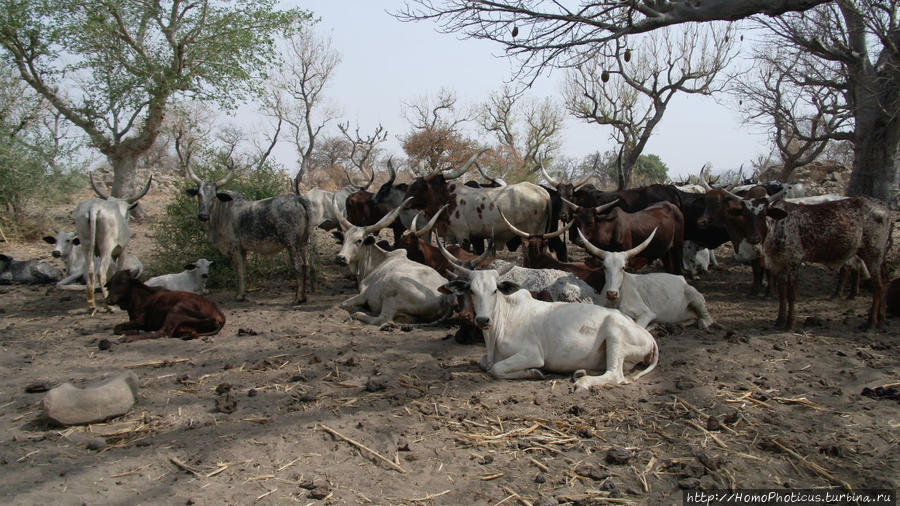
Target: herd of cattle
548 315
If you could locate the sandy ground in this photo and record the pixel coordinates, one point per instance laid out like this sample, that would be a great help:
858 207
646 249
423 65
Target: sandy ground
745 406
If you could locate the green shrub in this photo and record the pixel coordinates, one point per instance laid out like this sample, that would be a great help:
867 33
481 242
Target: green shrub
180 236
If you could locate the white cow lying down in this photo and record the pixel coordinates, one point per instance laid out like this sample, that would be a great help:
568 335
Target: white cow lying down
391 285
191 279
697 260
654 297
524 336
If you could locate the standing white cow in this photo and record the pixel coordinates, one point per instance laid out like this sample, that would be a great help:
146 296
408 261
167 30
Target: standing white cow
191 279
102 225
524 336
391 285
654 297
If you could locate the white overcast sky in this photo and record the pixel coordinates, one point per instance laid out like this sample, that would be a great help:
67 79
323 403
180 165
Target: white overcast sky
386 62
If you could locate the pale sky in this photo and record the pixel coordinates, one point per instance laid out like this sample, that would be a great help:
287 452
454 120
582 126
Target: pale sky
386 62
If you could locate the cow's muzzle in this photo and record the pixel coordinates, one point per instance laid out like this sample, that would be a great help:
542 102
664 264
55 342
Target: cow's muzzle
611 295
483 322
203 217
204 276
340 260
56 254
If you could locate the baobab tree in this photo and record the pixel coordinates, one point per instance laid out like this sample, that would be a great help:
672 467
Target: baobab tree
860 35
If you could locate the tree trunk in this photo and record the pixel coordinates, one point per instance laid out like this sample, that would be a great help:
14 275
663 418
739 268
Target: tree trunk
124 172
876 164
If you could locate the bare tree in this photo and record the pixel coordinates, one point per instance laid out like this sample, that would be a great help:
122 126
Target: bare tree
858 41
632 95
527 130
788 94
363 149
549 33
297 96
436 138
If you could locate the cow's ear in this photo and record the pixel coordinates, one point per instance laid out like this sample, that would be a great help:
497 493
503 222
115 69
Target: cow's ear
456 287
369 240
338 236
76 241
508 287
776 213
50 239
224 197
189 267
192 192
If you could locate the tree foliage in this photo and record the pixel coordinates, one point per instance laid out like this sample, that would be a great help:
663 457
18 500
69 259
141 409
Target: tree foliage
111 67
37 161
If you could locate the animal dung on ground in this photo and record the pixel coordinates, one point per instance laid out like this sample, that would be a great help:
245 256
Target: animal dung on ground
70 405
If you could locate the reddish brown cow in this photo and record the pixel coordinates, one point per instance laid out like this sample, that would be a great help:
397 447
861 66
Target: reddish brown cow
619 230
830 233
162 312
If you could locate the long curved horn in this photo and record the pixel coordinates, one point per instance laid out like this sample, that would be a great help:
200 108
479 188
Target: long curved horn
777 196
515 230
732 195
583 182
228 175
604 207
593 250
489 251
388 218
549 179
553 235
642 246
132 200
391 171
190 174
571 204
97 190
344 222
429 225
704 184
462 170
454 262
489 178
350 182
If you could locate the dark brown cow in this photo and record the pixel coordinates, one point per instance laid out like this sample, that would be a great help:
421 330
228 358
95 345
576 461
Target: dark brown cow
559 211
161 312
618 230
831 233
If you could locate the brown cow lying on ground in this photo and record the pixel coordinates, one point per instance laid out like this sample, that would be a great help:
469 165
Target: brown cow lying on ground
162 312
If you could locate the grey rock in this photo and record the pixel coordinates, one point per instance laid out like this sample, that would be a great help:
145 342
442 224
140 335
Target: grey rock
70 405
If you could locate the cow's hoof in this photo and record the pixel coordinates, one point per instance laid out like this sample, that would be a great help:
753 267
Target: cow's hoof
580 373
536 374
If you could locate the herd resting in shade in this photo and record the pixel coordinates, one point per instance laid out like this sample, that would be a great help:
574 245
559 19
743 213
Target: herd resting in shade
549 314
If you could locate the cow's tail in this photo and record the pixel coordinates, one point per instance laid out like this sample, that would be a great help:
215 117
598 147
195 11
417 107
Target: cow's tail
90 277
654 359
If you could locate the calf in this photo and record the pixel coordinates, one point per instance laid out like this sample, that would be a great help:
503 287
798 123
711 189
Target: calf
191 279
524 336
161 312
67 247
697 259
26 271
654 297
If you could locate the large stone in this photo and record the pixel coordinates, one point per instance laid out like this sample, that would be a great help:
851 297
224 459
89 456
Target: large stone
70 405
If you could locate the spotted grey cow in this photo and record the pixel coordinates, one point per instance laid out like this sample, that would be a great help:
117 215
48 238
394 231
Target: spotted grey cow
236 226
